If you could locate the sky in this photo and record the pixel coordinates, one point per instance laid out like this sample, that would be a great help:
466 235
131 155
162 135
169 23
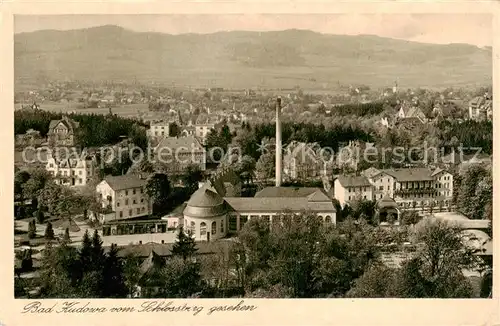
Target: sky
473 29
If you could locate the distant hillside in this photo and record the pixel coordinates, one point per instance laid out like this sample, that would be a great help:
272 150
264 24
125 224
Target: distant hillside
245 59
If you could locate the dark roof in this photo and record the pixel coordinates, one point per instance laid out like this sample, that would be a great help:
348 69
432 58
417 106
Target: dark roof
387 202
69 123
287 192
353 181
151 262
205 197
165 249
186 143
125 182
273 204
412 174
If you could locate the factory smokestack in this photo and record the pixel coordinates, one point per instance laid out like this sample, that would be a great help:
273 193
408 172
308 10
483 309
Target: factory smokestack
278 142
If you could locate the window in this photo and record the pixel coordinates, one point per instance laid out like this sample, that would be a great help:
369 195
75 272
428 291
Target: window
142 200
130 213
381 188
364 197
121 214
192 227
243 220
133 192
222 226
126 192
126 201
134 201
214 227
232 223
328 219
138 210
117 204
349 197
203 228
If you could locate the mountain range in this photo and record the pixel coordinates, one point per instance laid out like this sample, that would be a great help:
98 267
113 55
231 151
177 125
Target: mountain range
241 59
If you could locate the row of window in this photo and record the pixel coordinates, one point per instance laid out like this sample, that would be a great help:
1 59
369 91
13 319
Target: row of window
203 227
134 202
139 210
134 191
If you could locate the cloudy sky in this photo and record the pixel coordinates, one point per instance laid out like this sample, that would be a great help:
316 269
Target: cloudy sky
474 29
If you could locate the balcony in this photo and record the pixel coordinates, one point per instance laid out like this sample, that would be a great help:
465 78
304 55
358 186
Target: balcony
416 191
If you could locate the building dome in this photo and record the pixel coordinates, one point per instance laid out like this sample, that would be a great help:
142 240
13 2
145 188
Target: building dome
386 202
205 203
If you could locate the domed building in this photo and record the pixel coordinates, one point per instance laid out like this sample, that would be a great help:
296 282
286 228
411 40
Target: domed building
387 207
205 215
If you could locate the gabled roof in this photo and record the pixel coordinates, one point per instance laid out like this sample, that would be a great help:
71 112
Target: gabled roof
127 181
187 144
370 172
353 181
69 123
153 261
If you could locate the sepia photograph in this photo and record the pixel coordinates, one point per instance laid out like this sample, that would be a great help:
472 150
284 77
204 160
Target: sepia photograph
247 156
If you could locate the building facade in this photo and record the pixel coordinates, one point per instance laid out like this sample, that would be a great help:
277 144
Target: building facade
62 132
420 186
72 171
210 216
124 196
180 152
302 161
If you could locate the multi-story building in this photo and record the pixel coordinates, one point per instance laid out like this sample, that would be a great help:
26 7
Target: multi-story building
124 196
180 152
405 186
302 161
75 170
160 129
481 108
347 188
62 132
201 127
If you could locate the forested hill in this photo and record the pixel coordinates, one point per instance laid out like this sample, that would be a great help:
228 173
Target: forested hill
245 59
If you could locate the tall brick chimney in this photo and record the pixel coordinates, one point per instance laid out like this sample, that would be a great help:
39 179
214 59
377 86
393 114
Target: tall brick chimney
278 142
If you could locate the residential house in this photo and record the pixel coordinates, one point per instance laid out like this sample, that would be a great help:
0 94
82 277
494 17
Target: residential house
180 152
302 161
160 128
74 170
349 188
62 132
411 112
481 108
125 196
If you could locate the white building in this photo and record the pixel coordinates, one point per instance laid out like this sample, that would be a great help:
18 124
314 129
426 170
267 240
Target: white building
72 171
160 129
124 196
405 186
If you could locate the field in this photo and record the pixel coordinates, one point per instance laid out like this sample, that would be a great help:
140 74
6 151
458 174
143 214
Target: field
127 110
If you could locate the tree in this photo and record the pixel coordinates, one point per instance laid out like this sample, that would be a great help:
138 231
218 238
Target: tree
182 278
192 175
97 252
32 229
184 246
131 273
66 237
49 232
113 275
27 261
85 252
410 217
40 217
436 270
37 181
20 178
265 166
377 282
158 188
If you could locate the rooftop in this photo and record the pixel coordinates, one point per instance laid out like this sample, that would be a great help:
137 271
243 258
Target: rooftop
185 143
127 181
353 181
276 205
